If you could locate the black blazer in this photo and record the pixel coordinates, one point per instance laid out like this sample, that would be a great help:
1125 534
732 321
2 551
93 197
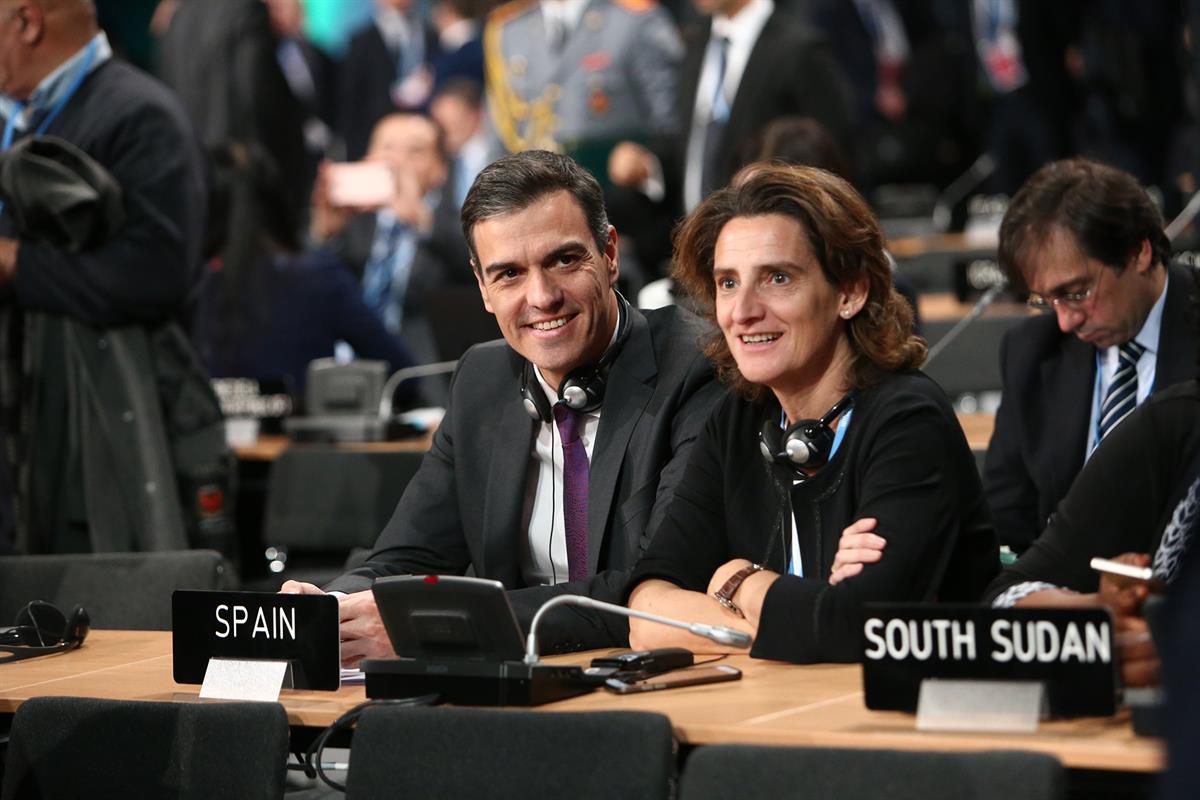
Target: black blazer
1048 378
791 71
465 504
1124 498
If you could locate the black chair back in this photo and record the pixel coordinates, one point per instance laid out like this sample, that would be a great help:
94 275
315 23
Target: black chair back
732 772
85 747
128 591
465 752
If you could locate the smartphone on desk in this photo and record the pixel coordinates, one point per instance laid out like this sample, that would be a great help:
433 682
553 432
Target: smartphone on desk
692 676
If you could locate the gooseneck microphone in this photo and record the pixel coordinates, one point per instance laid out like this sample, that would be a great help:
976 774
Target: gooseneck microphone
717 633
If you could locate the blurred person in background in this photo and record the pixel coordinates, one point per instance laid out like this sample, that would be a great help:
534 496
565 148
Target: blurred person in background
312 77
268 309
745 64
396 247
219 57
386 68
93 329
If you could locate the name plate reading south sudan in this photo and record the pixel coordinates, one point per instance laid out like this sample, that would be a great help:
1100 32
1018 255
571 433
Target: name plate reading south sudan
1068 651
300 630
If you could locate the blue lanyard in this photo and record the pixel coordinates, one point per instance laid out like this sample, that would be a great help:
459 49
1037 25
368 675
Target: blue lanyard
84 68
10 126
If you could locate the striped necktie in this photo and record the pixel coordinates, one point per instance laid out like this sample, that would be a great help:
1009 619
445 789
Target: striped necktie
1121 398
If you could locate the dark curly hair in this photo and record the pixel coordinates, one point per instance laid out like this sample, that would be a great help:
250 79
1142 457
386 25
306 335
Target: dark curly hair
847 242
1107 212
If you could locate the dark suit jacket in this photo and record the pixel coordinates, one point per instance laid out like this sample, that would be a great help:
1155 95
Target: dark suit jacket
466 503
1041 431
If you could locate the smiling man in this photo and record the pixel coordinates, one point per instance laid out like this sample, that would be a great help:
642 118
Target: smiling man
1089 244
563 442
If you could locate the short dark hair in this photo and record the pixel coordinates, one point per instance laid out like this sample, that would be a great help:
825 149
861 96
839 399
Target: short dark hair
513 182
844 237
1104 208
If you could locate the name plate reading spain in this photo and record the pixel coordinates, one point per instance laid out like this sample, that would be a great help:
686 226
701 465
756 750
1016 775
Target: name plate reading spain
299 629
1070 651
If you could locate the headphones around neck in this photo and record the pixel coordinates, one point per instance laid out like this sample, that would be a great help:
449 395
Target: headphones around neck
807 443
582 389
41 629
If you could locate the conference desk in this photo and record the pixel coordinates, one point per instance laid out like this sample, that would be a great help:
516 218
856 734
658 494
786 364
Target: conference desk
773 704
270 446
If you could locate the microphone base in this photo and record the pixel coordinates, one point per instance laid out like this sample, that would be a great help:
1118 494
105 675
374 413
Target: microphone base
476 683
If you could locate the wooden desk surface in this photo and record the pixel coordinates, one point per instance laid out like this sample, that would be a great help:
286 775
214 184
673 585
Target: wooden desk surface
978 426
946 307
952 243
774 703
269 448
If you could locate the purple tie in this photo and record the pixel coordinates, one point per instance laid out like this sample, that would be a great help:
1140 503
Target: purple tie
575 489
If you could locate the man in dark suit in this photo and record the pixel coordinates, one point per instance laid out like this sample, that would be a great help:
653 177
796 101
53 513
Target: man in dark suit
405 250
785 68
1089 244
385 69
562 444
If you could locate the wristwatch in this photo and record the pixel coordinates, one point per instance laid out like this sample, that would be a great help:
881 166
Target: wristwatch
725 594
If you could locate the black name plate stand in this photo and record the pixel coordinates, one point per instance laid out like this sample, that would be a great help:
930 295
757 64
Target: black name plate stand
971 668
252 645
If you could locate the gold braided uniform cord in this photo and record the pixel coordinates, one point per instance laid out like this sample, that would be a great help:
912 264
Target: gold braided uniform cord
508 110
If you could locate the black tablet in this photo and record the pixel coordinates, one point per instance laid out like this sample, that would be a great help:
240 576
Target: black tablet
449 616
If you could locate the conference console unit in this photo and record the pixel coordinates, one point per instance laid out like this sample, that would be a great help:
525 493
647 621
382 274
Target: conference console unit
476 683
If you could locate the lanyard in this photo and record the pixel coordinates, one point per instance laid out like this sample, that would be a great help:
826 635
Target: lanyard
76 79
10 126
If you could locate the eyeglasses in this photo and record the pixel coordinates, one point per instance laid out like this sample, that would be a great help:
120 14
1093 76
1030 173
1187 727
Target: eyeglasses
41 629
1074 301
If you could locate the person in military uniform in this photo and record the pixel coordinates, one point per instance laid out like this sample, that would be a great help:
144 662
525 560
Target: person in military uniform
578 76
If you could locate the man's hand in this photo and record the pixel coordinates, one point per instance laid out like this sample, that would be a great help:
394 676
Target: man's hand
299 587
1135 648
858 546
325 219
8 261
630 165
362 631
359 624
408 204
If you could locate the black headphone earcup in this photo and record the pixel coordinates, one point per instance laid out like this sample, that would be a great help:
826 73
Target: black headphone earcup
42 623
534 400
768 441
808 444
78 625
584 391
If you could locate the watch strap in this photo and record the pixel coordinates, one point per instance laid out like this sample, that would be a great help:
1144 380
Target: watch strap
725 594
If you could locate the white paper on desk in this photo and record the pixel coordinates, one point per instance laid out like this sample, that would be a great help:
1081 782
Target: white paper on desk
353 676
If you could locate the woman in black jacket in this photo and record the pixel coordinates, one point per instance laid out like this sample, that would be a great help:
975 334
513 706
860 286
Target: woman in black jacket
834 473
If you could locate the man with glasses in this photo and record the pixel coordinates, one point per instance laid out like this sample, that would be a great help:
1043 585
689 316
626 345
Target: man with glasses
1089 244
